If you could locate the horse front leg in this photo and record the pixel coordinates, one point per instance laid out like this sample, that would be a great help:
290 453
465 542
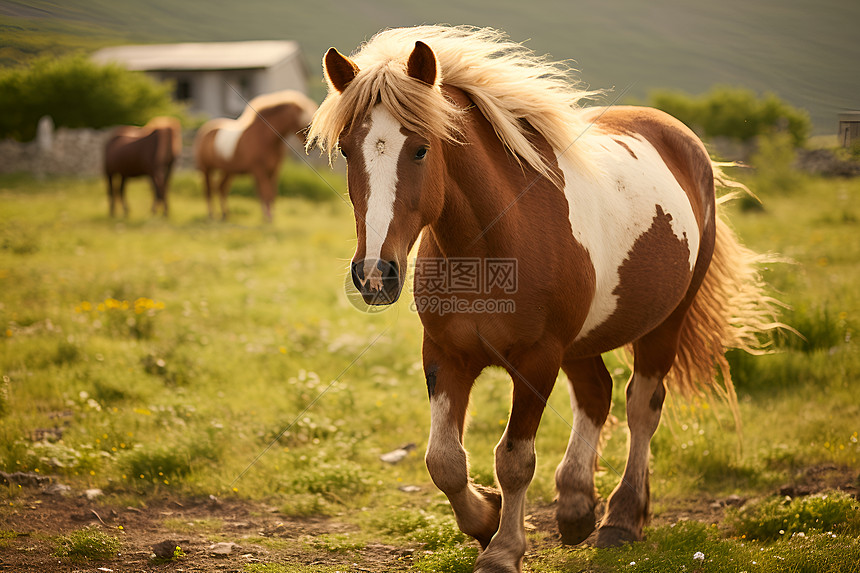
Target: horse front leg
590 387
449 384
266 190
223 189
207 189
534 376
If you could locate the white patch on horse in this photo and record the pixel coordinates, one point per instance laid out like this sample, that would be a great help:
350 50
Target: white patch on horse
381 149
226 140
609 215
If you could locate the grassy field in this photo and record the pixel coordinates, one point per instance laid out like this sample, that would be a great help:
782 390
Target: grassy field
183 358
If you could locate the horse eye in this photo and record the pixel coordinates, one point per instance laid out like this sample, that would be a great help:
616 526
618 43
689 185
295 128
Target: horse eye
421 153
342 152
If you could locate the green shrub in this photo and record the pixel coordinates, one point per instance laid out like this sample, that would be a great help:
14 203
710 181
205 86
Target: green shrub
335 482
820 328
833 512
86 544
163 463
735 113
430 529
77 92
773 161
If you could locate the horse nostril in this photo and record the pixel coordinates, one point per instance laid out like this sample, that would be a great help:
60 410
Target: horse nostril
357 274
389 270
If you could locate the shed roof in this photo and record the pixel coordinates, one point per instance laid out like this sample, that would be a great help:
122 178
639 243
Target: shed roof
200 56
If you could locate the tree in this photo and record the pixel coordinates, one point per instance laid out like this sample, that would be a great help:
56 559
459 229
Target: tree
76 92
736 113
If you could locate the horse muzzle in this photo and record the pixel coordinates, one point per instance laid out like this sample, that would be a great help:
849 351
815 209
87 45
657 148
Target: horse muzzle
378 281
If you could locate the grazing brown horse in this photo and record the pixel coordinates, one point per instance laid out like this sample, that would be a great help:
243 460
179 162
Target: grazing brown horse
253 143
551 233
149 150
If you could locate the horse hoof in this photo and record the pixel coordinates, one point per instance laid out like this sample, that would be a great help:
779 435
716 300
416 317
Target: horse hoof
496 567
576 531
614 536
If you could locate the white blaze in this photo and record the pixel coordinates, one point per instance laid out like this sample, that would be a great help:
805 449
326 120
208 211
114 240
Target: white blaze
381 150
607 216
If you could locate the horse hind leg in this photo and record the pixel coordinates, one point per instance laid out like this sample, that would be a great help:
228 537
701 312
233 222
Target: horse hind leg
156 180
590 388
628 508
122 182
111 196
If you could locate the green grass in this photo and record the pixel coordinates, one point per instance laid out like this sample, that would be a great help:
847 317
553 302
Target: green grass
87 544
247 373
695 546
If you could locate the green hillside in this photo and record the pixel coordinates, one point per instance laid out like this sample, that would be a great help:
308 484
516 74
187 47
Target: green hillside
803 50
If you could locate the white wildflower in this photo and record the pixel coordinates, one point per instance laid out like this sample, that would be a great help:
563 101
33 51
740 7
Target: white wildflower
699 555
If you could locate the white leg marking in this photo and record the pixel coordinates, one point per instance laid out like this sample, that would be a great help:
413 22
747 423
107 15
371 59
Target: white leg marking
446 458
608 215
449 468
628 503
381 149
515 467
575 473
642 421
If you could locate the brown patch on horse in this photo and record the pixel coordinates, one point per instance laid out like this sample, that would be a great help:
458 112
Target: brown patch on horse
654 276
627 147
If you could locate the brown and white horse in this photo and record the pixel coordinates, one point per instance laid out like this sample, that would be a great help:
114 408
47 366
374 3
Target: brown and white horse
252 144
605 218
149 150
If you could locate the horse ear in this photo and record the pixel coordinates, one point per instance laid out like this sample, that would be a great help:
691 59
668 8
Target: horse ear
422 64
339 70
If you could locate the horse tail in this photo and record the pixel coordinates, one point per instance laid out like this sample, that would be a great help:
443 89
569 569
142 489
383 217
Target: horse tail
730 310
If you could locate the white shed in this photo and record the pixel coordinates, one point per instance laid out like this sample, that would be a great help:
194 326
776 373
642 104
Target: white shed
216 78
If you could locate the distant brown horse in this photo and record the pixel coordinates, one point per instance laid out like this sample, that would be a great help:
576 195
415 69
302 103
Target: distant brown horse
253 144
148 150
552 233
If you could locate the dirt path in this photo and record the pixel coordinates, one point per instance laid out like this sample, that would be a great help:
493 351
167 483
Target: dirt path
31 519
259 532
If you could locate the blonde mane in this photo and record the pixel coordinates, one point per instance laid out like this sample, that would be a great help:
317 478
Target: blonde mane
274 99
512 86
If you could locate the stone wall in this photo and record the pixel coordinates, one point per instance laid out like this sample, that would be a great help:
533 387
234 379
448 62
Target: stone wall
66 152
